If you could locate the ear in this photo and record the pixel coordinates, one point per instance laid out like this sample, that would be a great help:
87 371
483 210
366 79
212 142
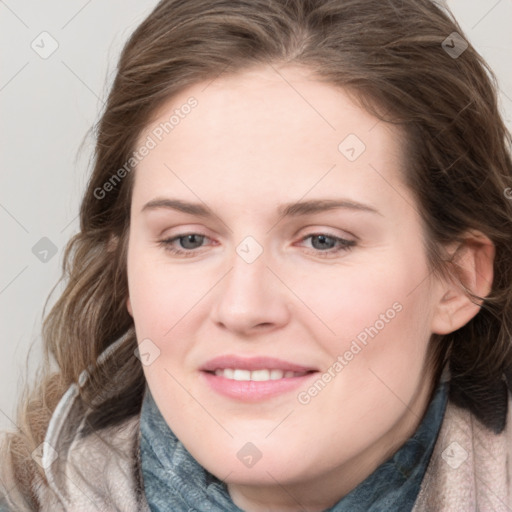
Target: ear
471 270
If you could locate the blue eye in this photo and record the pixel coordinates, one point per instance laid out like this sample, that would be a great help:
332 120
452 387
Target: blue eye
186 240
324 245
328 245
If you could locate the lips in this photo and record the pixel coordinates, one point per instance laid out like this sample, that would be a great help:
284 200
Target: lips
256 375
254 363
254 378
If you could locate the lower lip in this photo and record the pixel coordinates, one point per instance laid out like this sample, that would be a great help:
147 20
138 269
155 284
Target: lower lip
251 390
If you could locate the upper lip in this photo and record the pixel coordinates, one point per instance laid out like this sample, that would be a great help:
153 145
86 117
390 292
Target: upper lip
253 363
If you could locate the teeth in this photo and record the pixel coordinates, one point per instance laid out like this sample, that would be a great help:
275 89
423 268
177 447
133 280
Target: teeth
256 375
276 374
241 375
260 375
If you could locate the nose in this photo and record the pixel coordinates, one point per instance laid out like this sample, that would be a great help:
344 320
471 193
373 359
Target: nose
250 299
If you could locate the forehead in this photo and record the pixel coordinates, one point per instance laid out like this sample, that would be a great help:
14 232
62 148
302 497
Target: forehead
269 128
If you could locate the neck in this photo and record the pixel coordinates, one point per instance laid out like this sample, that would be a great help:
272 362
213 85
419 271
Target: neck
325 490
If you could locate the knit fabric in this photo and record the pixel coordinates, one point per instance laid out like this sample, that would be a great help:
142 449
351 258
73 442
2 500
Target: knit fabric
470 468
175 481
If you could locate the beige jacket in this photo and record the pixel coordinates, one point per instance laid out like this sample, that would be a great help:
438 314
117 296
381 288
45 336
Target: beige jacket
470 468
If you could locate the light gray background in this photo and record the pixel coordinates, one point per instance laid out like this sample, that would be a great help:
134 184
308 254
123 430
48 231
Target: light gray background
46 107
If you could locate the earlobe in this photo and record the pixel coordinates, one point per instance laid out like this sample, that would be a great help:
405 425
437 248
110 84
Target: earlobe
471 272
129 306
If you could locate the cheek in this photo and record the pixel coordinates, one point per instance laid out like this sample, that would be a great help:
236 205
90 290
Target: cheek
381 319
160 294
383 363
379 295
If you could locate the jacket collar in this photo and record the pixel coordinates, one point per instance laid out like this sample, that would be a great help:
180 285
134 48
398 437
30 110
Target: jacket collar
99 471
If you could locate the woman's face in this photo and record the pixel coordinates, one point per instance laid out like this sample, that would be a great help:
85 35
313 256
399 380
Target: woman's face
279 285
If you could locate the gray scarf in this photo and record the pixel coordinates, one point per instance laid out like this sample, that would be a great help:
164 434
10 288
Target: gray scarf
175 482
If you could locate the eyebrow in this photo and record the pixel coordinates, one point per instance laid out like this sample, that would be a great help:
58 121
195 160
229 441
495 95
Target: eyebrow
285 210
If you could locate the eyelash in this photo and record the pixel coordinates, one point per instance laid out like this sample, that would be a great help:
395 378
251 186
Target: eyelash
344 245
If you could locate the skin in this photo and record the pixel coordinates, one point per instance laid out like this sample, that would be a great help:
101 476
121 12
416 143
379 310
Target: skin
252 143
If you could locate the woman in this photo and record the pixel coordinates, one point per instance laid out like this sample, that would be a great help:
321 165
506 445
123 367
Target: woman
291 289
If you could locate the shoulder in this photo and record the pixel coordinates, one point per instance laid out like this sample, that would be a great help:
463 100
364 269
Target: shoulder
470 467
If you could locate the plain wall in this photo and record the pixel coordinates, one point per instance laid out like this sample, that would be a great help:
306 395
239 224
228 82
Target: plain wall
48 102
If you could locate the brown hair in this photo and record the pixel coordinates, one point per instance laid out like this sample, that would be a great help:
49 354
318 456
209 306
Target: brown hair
390 55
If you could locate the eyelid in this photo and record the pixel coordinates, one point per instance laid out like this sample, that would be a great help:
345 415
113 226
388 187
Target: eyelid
319 228
344 244
166 244
309 231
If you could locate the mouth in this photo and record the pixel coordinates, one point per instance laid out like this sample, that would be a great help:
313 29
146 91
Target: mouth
254 379
257 375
